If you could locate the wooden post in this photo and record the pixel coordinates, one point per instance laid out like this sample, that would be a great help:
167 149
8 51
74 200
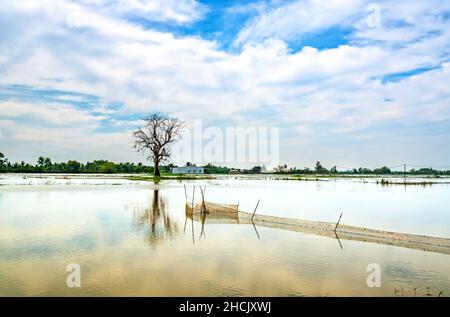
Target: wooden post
202 192
203 199
192 219
192 223
338 222
201 203
193 194
255 209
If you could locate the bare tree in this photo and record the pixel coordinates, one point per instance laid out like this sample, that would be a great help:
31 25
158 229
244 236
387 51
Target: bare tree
158 133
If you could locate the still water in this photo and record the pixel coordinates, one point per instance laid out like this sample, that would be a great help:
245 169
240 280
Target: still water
134 239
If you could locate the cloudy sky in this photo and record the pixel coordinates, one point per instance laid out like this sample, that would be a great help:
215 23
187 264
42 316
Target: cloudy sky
349 82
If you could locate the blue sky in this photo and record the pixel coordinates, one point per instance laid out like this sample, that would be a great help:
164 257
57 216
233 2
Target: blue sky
348 82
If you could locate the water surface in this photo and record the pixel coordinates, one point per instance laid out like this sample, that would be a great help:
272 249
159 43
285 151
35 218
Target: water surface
134 239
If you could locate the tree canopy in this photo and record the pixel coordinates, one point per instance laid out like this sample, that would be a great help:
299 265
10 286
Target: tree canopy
156 136
45 165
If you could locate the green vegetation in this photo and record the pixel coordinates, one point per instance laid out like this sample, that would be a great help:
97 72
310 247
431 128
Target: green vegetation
211 169
45 165
165 176
392 182
320 170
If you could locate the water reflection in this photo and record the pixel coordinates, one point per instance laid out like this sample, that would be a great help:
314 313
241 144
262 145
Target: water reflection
155 221
214 218
42 230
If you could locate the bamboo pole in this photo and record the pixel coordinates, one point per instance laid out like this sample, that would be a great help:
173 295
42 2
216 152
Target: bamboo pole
193 194
192 230
204 194
202 191
337 224
255 209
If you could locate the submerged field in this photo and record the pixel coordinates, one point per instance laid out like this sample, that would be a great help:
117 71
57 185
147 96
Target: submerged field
131 237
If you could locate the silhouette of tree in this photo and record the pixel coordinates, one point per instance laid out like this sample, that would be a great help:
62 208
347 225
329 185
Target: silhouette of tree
158 133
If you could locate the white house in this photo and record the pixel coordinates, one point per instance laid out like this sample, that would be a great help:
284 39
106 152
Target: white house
188 170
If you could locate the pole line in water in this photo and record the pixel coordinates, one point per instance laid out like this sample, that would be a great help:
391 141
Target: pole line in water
337 224
254 227
337 237
193 195
203 207
257 204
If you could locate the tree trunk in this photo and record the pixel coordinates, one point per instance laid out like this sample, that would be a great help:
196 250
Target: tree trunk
156 171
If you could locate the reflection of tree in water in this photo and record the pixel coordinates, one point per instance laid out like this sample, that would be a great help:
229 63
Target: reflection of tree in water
155 221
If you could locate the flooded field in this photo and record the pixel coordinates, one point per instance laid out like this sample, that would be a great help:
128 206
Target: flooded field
133 238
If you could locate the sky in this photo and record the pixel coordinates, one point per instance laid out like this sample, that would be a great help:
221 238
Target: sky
348 82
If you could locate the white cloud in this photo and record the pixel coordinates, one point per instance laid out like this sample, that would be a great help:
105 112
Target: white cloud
79 142
179 11
95 52
299 17
174 11
405 23
55 114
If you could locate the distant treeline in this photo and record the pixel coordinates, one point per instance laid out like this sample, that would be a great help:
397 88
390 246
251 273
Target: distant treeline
319 169
45 165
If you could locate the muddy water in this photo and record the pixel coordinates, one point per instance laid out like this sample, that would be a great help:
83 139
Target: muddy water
134 239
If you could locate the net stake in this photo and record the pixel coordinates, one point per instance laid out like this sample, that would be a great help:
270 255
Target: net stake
255 209
337 224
